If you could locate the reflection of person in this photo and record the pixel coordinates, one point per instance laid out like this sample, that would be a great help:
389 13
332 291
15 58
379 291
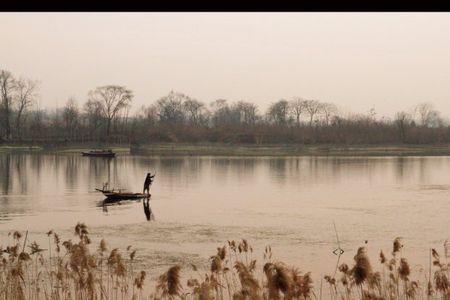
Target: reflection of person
147 210
148 182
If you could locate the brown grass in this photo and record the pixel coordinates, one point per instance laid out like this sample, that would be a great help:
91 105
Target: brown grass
72 270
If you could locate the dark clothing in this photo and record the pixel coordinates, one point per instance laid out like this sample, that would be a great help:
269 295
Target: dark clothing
148 182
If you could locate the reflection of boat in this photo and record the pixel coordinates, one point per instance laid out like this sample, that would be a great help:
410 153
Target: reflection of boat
149 215
99 153
119 195
109 202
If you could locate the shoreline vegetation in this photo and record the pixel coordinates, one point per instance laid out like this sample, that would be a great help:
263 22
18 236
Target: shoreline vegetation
82 269
106 115
223 149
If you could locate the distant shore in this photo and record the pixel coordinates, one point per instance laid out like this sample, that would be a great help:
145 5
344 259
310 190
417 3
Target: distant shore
68 148
221 149
291 150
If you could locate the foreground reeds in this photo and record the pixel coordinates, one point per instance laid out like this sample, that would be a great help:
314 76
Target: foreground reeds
79 270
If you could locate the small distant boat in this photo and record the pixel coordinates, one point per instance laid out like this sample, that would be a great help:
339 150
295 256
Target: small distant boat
99 153
119 195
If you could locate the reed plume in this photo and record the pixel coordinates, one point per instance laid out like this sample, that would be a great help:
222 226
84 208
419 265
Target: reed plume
169 282
216 264
278 279
397 245
403 269
382 257
139 280
250 286
362 268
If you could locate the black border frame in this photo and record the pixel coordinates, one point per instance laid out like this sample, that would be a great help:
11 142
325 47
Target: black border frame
226 6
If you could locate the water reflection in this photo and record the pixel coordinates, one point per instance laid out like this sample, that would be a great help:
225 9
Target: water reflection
5 173
208 186
107 204
26 173
59 174
147 209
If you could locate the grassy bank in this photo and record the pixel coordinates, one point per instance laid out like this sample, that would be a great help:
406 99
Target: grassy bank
80 269
220 149
67 148
290 150
19 148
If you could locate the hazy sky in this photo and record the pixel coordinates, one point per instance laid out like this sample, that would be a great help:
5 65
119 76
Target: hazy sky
389 61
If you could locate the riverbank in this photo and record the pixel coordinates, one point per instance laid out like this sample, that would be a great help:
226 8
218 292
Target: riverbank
290 150
69 148
220 149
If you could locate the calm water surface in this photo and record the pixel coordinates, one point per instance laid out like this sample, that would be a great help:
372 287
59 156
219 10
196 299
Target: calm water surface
199 203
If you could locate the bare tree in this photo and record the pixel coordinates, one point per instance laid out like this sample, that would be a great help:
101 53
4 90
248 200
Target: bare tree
151 114
424 110
248 112
278 112
435 119
113 99
194 110
371 114
126 115
297 107
71 118
120 122
313 107
7 89
221 112
25 96
93 115
37 128
328 110
402 120
170 108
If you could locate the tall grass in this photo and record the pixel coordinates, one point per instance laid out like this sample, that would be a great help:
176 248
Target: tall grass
81 270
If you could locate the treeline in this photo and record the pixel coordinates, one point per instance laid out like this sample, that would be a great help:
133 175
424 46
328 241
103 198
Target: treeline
106 117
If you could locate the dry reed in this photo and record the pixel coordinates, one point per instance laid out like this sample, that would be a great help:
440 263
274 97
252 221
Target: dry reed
70 270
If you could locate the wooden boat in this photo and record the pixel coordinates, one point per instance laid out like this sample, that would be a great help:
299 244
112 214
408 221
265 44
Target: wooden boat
99 153
119 195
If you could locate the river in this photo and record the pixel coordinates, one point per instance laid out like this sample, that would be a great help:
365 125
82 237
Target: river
293 204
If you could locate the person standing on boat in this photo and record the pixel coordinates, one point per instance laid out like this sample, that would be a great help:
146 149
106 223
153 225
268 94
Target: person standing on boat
148 182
